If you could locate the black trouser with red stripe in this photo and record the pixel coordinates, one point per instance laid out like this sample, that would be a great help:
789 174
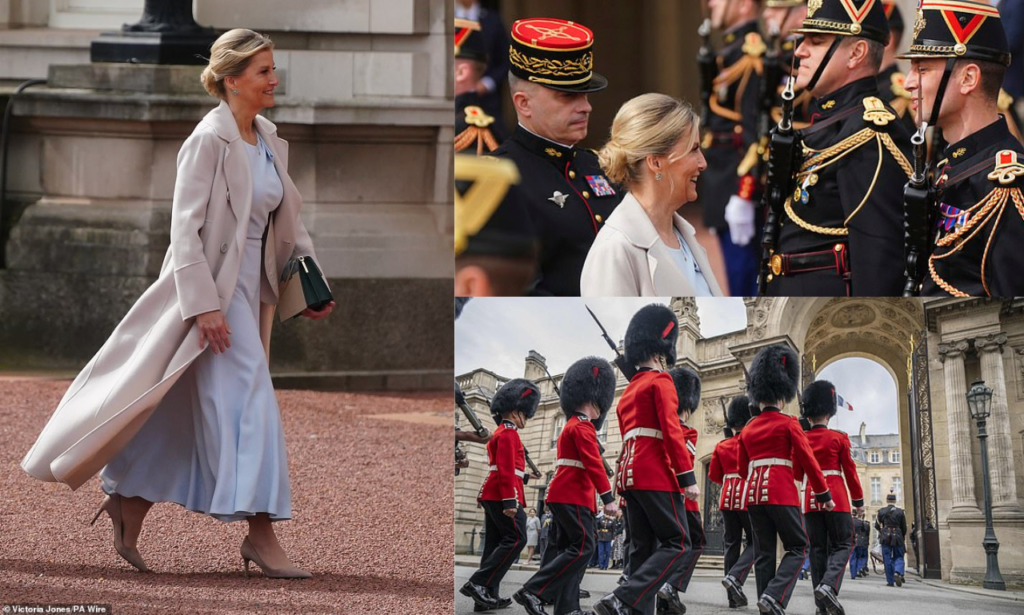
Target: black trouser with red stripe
739 554
504 541
771 522
831 536
658 538
560 574
697 541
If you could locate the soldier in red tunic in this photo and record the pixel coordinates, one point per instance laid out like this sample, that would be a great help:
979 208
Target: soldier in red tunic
770 446
830 533
653 465
588 389
688 391
724 470
501 495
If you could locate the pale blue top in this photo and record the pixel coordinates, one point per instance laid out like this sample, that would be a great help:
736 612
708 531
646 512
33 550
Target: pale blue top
267 190
687 264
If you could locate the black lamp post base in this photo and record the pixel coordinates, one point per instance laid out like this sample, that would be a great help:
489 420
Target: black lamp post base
153 47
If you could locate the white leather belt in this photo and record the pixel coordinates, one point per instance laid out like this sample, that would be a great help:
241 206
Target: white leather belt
832 472
570 462
732 475
519 473
646 432
771 461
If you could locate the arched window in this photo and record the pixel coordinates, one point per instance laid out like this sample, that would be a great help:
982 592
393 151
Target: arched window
559 424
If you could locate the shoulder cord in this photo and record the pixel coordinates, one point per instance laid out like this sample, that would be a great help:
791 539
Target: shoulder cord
740 71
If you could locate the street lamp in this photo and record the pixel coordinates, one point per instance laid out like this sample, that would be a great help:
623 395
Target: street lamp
979 400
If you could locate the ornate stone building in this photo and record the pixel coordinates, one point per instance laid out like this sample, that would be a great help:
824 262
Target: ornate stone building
878 467
933 349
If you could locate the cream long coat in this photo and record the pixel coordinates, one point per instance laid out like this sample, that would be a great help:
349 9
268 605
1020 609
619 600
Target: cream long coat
628 259
158 339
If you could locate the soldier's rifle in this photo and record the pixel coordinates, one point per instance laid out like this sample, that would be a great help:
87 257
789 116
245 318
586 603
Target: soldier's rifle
620 361
707 63
919 200
769 90
783 160
600 447
474 421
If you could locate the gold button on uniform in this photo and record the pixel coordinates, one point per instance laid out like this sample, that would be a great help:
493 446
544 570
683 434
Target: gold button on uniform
599 218
572 174
586 194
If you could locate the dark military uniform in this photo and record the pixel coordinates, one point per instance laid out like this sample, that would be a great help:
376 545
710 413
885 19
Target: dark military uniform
474 128
842 234
892 92
730 131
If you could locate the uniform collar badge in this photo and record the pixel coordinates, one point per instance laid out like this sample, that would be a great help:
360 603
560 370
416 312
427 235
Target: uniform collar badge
558 198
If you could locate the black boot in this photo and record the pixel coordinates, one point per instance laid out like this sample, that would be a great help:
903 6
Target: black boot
584 593
736 596
611 605
479 594
899 579
531 603
768 605
825 594
673 605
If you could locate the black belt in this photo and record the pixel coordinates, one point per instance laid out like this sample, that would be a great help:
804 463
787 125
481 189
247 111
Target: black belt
836 259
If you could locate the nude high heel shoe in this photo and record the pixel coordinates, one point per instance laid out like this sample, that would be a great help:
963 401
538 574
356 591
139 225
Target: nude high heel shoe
112 504
249 554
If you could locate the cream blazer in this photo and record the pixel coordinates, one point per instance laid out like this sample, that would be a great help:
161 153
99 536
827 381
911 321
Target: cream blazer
157 340
628 259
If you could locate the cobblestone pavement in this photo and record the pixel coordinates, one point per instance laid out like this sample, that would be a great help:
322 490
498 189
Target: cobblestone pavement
705 596
371 505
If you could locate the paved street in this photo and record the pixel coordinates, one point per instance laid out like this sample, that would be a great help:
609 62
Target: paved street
868 596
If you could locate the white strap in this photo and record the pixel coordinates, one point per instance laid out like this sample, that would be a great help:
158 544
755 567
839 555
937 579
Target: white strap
731 475
519 473
832 472
570 462
646 432
690 447
771 461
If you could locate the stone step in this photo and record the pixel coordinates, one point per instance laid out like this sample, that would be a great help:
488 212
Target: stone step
28 53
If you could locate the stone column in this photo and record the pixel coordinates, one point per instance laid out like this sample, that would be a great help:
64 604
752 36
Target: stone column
1000 451
958 419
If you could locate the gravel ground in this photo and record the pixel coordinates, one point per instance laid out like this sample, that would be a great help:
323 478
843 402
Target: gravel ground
371 506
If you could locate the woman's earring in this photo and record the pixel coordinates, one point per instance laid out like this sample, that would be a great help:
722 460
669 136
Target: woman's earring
657 177
234 91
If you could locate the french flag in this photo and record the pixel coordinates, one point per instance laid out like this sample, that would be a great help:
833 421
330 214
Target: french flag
843 404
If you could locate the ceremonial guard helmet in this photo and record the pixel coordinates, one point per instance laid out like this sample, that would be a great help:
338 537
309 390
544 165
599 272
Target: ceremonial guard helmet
518 395
555 53
818 399
589 380
738 413
652 331
687 387
773 375
863 18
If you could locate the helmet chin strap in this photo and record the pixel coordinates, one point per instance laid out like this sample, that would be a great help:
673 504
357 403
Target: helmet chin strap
824 62
941 93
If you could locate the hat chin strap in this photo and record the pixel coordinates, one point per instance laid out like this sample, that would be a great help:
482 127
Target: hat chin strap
941 93
824 62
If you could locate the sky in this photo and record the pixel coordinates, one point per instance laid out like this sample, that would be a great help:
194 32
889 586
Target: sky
497 334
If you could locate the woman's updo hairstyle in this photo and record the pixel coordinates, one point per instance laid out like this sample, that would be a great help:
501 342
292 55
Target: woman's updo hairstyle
648 125
230 56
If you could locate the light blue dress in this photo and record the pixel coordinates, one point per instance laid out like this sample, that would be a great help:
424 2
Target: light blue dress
214 444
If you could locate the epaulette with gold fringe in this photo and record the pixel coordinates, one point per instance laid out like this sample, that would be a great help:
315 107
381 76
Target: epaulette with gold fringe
752 61
477 132
1006 176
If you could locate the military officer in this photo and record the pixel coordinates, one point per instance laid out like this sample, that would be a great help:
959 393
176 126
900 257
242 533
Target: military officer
688 391
501 494
842 232
829 532
960 49
473 127
568 194
587 392
770 446
727 197
724 470
782 18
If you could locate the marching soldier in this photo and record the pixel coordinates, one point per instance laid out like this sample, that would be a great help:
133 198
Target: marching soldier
501 494
961 50
830 532
473 127
653 465
769 447
495 244
724 470
842 225
727 195
891 82
688 391
587 392
568 195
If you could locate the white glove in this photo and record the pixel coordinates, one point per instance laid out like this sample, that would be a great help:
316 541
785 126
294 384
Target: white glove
739 213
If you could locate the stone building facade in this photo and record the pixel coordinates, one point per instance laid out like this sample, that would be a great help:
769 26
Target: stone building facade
365 102
932 348
877 457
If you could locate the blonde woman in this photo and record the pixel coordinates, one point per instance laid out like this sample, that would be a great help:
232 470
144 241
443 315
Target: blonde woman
178 405
646 248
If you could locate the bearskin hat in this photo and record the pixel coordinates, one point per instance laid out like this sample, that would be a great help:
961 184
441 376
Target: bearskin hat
652 331
687 387
774 375
515 395
818 399
590 379
738 413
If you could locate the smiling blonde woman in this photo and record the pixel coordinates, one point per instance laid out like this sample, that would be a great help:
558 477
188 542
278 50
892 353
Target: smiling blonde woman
645 247
178 404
